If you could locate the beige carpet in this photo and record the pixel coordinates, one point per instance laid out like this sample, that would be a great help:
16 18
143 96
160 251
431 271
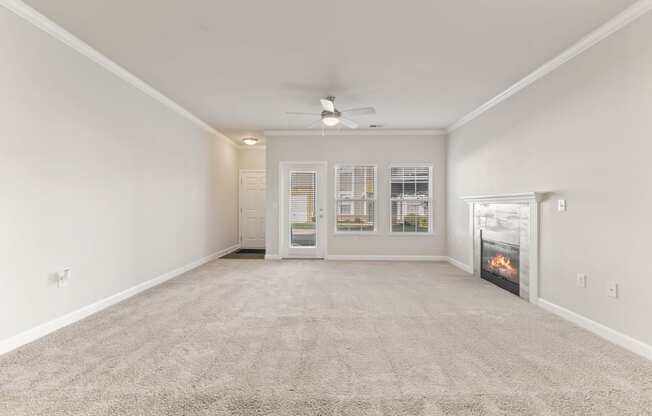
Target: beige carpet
239 337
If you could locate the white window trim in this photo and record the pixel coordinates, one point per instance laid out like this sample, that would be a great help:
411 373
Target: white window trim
335 199
431 226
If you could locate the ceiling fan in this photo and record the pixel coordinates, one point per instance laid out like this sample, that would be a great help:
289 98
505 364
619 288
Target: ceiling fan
331 116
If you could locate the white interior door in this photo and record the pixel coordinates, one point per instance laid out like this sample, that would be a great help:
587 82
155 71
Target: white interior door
252 208
303 217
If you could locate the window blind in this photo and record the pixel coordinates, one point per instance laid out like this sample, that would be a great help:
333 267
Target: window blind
355 198
303 220
411 199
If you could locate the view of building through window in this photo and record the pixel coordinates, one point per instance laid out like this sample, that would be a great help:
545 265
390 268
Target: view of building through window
355 198
302 215
411 199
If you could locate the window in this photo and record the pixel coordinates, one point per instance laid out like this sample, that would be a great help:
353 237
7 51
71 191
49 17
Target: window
302 216
355 199
411 198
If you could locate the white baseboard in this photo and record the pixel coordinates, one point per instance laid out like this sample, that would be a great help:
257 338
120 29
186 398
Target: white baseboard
272 257
42 330
618 338
346 257
460 265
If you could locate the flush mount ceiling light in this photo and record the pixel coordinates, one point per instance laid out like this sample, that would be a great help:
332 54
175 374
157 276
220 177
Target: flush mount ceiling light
250 141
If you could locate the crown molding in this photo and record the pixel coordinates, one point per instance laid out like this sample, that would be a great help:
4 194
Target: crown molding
29 14
618 22
375 132
505 198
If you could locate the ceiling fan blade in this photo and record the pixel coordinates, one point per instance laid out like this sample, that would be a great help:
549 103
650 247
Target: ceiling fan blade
298 113
359 111
328 105
349 123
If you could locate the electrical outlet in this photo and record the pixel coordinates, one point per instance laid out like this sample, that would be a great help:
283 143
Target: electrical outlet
612 290
63 277
561 205
581 280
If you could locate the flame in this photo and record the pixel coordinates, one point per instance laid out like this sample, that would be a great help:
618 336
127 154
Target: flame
502 264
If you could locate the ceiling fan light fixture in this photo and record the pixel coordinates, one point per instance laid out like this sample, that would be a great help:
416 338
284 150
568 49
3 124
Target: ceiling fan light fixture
330 116
250 141
330 121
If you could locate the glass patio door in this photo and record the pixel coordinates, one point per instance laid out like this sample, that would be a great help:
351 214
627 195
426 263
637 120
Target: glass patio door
304 217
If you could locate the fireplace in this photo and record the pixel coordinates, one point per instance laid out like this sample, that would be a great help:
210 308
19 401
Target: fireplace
509 226
500 264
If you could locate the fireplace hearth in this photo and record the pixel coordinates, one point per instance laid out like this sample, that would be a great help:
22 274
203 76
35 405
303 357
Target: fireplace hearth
500 264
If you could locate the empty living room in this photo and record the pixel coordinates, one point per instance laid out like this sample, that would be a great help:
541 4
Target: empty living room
345 208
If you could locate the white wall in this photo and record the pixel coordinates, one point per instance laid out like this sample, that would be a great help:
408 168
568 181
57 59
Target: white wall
252 158
584 133
380 150
96 176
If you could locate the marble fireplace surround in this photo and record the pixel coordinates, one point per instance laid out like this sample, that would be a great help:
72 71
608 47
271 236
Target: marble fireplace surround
509 218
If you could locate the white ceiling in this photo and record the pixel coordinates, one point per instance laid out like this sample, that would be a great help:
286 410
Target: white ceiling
240 65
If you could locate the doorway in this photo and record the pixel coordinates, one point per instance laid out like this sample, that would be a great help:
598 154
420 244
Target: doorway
303 210
252 209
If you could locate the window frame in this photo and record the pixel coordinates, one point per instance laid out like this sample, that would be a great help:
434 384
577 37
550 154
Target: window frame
431 198
335 198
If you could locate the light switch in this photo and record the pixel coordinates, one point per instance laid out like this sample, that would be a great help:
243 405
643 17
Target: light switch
612 290
561 205
63 278
581 280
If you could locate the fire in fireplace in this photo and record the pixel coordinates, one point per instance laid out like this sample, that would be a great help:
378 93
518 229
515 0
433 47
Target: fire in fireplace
500 264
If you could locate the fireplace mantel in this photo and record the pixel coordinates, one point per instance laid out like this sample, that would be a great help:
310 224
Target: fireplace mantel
529 201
